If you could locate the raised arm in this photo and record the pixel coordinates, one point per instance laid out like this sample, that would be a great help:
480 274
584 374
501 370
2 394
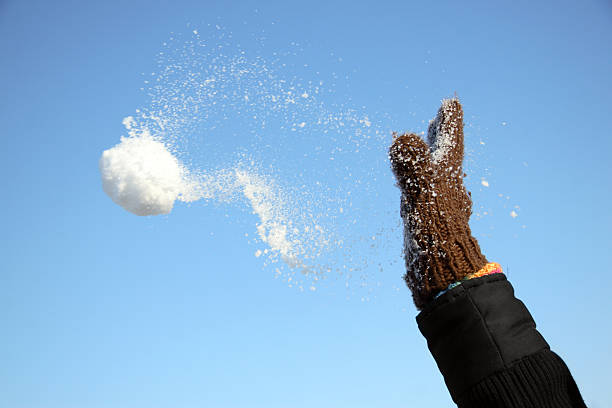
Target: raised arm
483 339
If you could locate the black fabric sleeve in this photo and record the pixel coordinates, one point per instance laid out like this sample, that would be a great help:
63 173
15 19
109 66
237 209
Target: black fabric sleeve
486 345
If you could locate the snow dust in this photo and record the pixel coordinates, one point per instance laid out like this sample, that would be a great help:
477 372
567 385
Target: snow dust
241 129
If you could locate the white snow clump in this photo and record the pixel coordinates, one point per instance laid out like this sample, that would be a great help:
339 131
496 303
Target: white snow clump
143 177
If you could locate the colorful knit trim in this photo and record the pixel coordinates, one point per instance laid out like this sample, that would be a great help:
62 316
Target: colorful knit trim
488 269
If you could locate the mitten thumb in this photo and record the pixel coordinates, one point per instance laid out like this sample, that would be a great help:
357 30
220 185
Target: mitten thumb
411 164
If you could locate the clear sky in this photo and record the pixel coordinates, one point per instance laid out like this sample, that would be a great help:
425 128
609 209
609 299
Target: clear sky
102 308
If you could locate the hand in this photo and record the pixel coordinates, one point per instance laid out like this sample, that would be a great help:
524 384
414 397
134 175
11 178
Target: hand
439 248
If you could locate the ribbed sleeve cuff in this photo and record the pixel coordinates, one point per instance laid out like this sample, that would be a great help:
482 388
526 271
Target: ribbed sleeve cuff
541 380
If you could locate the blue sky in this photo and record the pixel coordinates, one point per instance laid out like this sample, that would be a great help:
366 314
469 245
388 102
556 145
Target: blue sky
101 308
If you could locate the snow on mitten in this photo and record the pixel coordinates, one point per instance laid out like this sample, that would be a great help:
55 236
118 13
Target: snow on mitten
439 248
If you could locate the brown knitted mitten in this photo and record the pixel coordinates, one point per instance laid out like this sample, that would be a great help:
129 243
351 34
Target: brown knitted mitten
438 245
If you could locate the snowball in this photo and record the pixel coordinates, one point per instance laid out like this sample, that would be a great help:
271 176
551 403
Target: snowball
142 176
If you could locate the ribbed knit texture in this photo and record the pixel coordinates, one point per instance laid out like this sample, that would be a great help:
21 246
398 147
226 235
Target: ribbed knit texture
439 247
541 380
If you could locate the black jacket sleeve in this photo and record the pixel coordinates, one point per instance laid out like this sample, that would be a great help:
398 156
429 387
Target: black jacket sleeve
486 345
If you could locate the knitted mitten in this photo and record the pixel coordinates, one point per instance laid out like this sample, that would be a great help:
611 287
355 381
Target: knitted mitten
435 206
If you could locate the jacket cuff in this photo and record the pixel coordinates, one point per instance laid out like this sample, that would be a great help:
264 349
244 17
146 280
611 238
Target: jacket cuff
478 329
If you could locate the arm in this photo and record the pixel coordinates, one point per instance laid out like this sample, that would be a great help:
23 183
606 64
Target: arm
482 337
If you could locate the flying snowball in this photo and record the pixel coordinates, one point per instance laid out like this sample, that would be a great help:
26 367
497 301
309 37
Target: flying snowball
142 176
